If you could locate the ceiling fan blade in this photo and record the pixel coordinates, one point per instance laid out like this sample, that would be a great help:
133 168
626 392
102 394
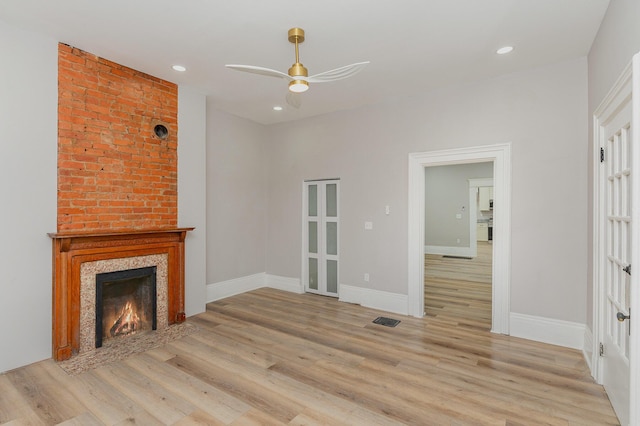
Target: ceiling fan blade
294 99
259 70
338 73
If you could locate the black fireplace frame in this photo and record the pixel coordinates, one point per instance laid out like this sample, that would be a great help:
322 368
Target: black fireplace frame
109 277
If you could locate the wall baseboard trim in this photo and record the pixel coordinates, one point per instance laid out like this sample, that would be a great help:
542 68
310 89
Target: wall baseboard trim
450 251
548 330
223 289
376 299
294 285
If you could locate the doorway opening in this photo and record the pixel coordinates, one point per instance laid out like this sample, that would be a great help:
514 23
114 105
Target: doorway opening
500 155
458 244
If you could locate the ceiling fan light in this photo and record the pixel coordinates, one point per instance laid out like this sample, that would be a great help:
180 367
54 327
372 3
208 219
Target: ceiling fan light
298 86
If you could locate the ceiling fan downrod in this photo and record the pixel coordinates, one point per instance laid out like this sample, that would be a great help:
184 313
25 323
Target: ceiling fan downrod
296 35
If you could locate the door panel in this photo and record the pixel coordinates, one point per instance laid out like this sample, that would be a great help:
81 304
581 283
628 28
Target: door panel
321 243
615 138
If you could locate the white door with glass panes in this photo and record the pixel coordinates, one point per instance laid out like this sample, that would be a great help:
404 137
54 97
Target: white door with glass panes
618 195
320 245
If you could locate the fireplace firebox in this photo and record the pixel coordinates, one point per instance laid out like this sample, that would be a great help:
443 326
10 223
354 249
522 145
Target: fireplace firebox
126 303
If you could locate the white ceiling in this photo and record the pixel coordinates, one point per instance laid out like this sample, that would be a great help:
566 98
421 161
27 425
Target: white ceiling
414 45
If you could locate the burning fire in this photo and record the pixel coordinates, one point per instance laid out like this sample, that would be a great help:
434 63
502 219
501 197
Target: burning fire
127 322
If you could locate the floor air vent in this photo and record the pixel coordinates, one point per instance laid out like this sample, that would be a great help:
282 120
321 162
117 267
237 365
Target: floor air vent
387 322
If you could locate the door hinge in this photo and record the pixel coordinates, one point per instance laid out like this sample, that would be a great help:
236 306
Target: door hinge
601 349
627 269
602 155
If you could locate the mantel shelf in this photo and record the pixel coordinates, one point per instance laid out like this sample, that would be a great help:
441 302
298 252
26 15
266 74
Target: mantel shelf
93 234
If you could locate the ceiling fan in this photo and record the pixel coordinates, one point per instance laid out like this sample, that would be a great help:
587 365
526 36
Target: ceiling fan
298 75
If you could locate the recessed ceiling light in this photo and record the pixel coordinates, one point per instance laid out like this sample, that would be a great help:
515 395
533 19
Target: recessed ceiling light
504 50
277 108
179 68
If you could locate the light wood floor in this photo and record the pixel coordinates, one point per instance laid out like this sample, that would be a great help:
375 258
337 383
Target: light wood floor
459 290
272 357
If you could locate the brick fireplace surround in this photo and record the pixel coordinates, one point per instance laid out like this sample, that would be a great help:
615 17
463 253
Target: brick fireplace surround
117 184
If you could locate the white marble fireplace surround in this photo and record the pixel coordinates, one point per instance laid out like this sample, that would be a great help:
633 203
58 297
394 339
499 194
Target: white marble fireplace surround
88 272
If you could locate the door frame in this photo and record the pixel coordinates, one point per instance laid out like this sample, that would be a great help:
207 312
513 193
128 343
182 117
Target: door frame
628 84
500 155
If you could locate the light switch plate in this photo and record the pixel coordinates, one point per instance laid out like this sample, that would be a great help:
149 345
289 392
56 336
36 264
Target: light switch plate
368 225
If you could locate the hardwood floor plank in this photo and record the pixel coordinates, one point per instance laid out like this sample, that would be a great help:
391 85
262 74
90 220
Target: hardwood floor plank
84 419
14 409
233 383
281 387
41 392
151 397
200 418
257 418
208 399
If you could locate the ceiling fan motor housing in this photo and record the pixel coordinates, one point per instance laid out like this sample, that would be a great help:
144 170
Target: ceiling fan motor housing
298 70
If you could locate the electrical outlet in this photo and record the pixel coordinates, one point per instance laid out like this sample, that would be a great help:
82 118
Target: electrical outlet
366 277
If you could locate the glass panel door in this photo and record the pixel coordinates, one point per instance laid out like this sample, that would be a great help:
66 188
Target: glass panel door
321 237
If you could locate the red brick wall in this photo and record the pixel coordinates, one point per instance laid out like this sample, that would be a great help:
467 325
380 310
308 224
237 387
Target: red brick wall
114 173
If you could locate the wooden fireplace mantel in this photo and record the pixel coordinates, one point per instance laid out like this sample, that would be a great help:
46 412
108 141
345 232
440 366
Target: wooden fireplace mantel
70 250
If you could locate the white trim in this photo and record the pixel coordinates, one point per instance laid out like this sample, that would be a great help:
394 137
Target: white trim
376 299
451 251
232 287
500 154
293 285
223 289
634 344
588 347
548 330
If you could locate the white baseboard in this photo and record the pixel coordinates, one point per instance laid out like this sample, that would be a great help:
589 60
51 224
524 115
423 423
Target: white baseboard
383 300
450 251
222 289
376 299
293 285
548 330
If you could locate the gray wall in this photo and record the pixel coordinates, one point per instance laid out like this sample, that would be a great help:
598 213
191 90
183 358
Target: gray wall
192 193
542 112
28 173
446 192
237 196
616 42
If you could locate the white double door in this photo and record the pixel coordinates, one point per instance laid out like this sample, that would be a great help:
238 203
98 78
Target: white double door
320 242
